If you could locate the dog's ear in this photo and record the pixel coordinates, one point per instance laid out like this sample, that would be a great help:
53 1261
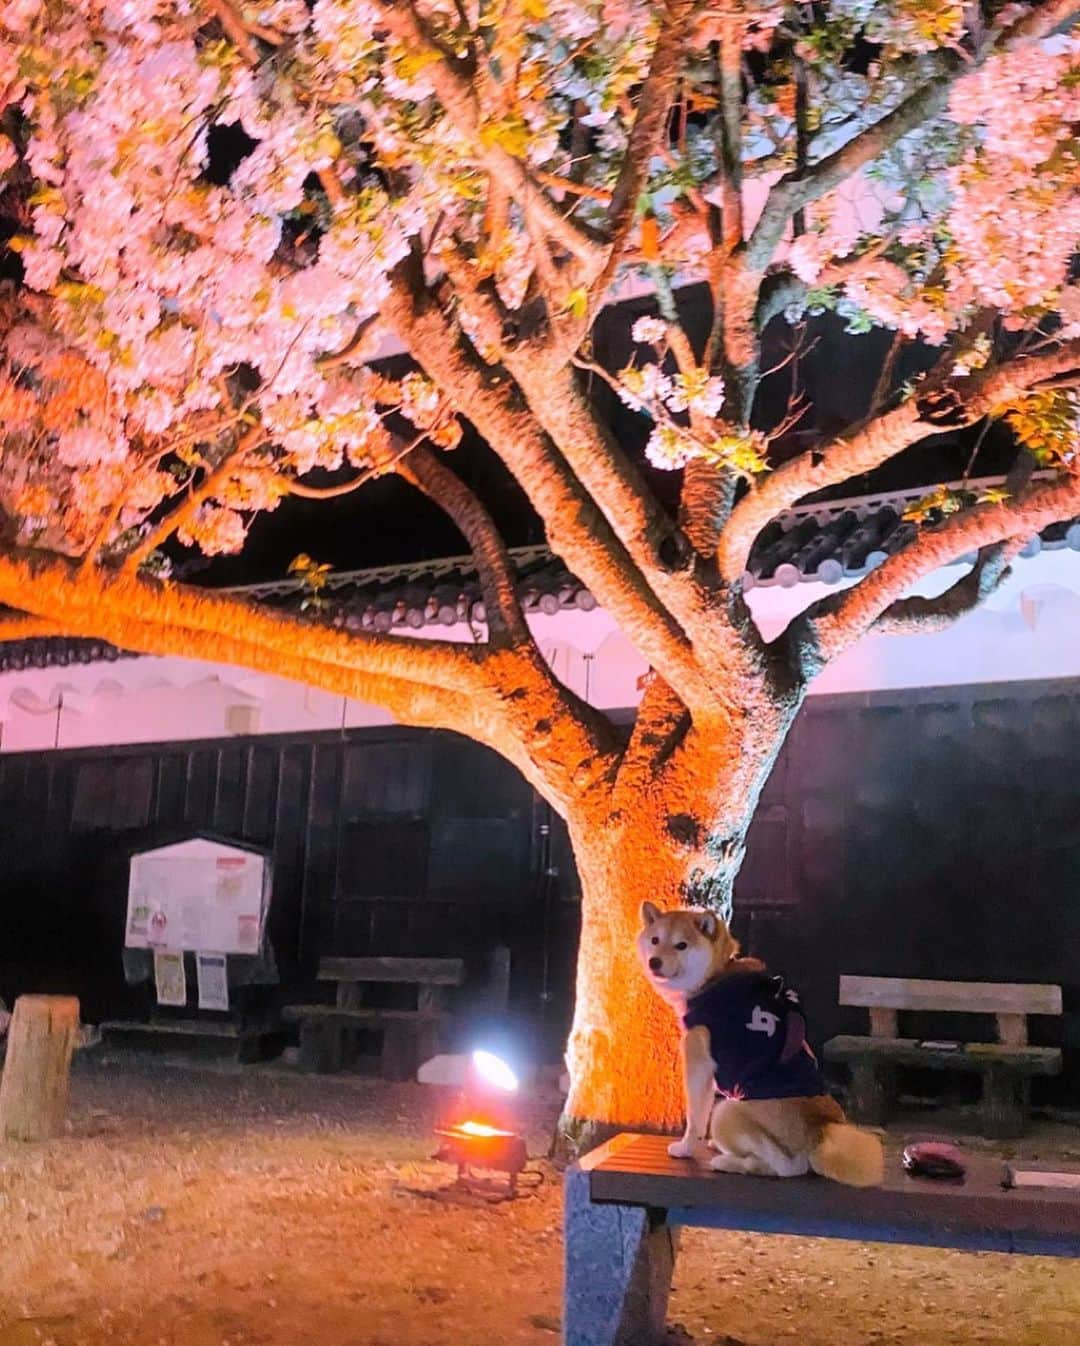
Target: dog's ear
649 913
708 923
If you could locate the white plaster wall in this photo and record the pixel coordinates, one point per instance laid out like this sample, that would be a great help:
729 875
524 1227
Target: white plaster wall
1030 629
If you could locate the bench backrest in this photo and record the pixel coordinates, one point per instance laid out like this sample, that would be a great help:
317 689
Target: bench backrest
1009 1002
418 971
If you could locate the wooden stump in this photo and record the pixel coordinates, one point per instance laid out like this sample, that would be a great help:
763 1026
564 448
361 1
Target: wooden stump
34 1088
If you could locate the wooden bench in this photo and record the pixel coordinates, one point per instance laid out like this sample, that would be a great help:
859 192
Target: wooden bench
625 1203
206 1039
1006 1066
409 1036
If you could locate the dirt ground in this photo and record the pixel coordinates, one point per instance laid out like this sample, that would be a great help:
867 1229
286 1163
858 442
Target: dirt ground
202 1208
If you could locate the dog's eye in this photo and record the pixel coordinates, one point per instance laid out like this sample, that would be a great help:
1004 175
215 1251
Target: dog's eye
681 945
656 939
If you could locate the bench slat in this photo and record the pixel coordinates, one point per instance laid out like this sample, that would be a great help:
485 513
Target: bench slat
421 971
975 1056
199 1028
974 997
334 1014
636 1170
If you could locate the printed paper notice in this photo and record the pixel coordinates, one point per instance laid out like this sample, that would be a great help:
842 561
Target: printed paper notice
169 978
213 981
191 923
138 920
197 894
247 934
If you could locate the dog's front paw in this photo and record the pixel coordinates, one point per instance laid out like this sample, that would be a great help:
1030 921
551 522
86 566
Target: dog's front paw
684 1148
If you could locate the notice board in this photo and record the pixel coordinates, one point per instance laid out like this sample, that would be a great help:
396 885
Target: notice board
197 895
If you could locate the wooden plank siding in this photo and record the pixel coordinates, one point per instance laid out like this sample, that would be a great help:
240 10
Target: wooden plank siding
931 833
384 842
973 997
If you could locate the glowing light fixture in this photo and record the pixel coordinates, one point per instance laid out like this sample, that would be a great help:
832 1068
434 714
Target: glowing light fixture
494 1071
480 1130
472 1128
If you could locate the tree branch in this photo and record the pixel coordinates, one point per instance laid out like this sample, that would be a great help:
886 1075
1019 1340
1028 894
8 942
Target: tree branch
185 512
22 626
733 345
576 528
458 100
611 478
236 30
922 616
832 626
503 698
732 35
83 600
867 446
796 191
506 622
650 124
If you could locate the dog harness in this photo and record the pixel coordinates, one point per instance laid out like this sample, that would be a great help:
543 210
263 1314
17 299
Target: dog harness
757 1037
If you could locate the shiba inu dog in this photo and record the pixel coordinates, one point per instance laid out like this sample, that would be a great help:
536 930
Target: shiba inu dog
755 1098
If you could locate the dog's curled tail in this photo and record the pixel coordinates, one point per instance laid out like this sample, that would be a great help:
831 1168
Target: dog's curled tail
850 1155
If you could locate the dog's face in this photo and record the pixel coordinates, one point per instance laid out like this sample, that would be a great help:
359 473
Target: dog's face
682 950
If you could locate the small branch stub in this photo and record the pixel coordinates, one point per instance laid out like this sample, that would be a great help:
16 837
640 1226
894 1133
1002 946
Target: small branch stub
34 1088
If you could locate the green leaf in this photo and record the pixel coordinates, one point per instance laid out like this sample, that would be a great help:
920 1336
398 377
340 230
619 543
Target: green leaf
510 134
577 302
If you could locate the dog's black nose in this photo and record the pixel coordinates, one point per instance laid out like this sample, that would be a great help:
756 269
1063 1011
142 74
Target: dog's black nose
655 964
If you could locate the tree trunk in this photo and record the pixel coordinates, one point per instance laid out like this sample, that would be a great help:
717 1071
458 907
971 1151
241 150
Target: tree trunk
675 835
34 1088
623 1049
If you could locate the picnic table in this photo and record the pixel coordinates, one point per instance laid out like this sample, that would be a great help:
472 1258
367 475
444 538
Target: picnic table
626 1201
409 1035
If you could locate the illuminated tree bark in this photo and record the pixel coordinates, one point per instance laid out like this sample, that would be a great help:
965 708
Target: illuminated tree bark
622 1054
672 830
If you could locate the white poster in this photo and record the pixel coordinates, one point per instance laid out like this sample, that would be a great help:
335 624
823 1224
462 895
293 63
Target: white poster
213 981
195 895
169 978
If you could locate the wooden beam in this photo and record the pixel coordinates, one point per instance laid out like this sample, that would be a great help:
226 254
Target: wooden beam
973 997
418 971
971 1056
884 1023
1012 1030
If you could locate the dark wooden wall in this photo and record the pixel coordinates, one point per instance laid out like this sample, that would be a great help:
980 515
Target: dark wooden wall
924 833
383 841
931 833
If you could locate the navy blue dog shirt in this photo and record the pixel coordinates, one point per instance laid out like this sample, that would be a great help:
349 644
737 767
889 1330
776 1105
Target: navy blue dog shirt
757 1036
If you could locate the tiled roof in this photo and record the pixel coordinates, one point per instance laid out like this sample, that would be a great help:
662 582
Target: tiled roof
56 652
825 543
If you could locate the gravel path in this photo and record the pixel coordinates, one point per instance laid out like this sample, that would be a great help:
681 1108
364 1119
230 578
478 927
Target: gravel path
208 1208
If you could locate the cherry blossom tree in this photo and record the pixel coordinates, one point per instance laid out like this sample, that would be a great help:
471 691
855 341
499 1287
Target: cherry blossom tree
474 179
